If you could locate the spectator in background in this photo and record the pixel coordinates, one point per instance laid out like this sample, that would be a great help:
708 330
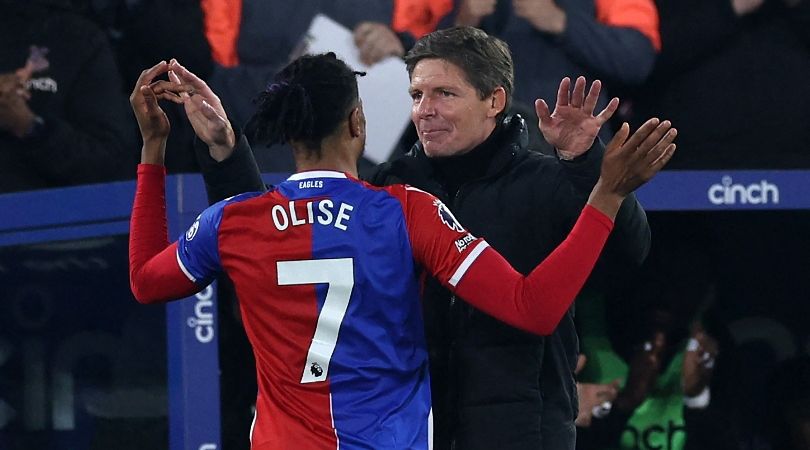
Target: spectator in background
751 58
656 376
612 40
252 39
144 31
63 117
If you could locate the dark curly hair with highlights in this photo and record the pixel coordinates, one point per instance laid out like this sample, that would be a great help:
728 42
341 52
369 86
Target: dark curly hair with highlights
306 102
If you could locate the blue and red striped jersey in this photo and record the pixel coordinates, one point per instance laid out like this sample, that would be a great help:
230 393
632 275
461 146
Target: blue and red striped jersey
326 270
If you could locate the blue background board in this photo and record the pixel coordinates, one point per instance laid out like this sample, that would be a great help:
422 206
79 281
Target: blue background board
729 190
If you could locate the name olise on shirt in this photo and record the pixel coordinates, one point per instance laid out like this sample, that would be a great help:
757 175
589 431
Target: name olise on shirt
322 211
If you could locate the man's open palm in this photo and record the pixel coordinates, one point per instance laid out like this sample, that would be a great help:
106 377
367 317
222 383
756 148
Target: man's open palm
572 127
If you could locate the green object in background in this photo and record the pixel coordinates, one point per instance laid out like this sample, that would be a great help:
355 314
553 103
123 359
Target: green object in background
657 424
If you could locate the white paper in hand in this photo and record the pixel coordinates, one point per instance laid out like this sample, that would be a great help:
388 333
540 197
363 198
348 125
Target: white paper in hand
384 89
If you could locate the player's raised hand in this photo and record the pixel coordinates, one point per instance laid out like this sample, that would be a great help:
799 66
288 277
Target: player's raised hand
203 108
152 121
629 162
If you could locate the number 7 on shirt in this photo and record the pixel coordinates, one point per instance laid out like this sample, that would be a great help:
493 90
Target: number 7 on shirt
339 275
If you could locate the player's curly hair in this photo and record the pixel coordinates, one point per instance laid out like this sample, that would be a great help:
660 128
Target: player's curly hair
306 102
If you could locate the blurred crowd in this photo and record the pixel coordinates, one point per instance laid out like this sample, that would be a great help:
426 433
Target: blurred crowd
731 74
661 365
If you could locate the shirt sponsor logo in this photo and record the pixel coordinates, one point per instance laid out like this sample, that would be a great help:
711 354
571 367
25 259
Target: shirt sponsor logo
447 217
464 242
729 193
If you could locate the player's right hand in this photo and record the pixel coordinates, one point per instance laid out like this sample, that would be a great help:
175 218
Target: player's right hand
152 121
630 162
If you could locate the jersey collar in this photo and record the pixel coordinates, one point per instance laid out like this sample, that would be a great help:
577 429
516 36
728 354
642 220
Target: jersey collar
309 174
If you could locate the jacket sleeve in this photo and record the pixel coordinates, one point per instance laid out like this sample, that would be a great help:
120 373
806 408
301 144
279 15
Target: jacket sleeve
351 13
617 45
92 139
630 241
237 174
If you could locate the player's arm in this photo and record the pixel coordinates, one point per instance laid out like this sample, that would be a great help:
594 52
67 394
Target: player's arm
154 272
154 267
482 277
537 302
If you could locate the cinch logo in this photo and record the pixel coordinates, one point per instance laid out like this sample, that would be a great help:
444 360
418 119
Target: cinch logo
729 193
654 437
203 321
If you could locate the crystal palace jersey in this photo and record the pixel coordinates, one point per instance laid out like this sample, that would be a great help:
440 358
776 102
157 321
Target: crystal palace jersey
325 268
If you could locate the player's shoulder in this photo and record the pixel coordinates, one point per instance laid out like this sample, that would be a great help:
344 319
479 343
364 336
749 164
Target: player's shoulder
213 214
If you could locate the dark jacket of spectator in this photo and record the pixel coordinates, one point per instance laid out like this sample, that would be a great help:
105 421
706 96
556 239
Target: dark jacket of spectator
611 40
749 69
83 133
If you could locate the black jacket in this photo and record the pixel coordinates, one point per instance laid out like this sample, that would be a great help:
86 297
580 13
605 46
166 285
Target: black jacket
495 387
86 135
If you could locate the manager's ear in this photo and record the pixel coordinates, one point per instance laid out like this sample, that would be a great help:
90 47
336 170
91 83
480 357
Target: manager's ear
497 102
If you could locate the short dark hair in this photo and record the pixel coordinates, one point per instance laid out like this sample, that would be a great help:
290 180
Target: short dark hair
485 60
306 102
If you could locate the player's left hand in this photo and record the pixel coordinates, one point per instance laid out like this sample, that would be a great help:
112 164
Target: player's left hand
572 127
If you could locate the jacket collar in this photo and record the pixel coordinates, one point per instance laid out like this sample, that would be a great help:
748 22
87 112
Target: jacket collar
513 140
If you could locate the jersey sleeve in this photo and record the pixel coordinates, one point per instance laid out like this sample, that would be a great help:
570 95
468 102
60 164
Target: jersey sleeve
439 242
197 248
154 272
482 277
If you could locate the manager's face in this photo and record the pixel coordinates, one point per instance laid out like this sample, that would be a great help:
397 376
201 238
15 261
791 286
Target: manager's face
449 114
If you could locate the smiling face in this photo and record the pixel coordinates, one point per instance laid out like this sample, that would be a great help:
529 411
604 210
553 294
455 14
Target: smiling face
449 114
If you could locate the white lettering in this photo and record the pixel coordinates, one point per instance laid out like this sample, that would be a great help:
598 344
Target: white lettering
283 218
310 184
203 321
295 220
278 214
43 84
342 214
716 194
325 206
729 193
